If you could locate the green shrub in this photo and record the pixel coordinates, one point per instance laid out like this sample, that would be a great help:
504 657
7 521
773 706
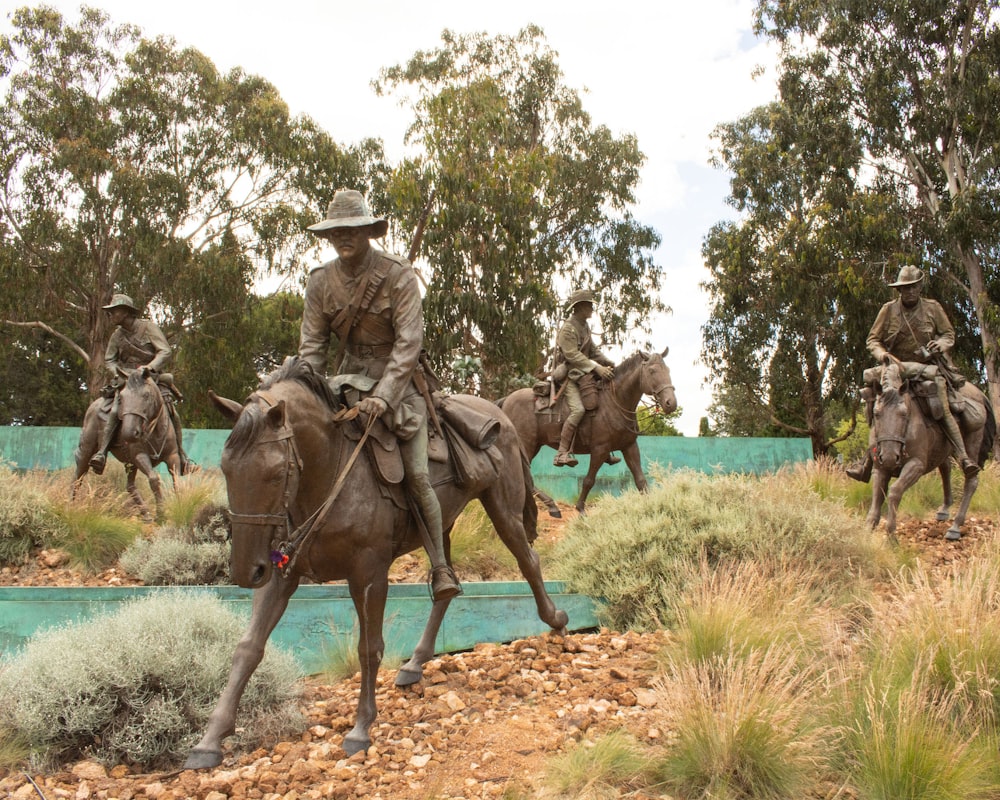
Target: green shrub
137 686
181 557
599 769
636 552
93 536
27 520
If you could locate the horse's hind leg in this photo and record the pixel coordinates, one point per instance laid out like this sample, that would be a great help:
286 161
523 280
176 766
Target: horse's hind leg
413 670
549 503
955 531
269 604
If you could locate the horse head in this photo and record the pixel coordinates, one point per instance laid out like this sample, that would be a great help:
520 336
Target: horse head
262 468
892 418
139 406
655 380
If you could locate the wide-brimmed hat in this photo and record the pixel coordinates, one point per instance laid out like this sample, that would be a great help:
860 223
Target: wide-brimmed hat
908 275
348 209
580 296
121 301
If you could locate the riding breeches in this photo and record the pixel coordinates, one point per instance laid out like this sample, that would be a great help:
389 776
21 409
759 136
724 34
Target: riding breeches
575 403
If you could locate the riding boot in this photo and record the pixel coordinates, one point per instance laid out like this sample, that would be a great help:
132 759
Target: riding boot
969 467
862 470
444 582
100 459
564 458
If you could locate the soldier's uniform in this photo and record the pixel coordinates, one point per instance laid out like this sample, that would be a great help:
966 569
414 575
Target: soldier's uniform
373 309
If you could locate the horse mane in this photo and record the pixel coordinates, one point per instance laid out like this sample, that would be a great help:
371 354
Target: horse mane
294 369
632 362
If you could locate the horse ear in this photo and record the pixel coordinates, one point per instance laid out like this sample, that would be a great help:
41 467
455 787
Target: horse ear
230 409
665 351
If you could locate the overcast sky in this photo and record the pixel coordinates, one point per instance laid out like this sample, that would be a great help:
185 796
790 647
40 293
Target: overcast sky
665 71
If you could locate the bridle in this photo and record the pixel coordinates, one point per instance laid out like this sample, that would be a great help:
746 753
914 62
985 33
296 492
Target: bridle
285 552
149 427
900 440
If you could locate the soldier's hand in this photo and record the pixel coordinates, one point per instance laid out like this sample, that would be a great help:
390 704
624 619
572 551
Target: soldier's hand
605 372
373 406
934 346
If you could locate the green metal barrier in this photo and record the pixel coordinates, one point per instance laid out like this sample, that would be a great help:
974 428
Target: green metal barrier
317 614
52 449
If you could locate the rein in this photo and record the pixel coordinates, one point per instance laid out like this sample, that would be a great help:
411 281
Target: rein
149 428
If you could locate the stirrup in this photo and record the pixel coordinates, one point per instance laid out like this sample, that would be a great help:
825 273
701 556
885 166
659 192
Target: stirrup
444 583
612 459
97 463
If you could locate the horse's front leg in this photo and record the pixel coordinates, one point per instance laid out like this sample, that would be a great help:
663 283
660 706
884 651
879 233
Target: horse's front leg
945 472
549 503
369 589
596 462
633 460
912 471
145 465
955 531
269 603
880 480
173 462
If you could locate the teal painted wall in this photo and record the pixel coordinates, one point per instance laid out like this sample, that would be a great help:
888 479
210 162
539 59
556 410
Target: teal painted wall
52 449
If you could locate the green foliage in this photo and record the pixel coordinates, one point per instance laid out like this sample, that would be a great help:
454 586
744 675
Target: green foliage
27 519
653 422
130 164
747 727
516 193
598 769
340 659
136 687
181 557
636 551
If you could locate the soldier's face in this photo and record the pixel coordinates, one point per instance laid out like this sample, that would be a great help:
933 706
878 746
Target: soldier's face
117 315
909 294
351 244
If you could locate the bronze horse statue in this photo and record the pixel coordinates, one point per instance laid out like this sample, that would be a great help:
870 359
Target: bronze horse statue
611 426
908 444
144 439
303 505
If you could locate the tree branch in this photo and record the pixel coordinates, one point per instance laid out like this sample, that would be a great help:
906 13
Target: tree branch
39 324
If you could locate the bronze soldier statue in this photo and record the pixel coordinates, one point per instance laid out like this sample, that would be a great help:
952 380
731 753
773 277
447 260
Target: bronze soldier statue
915 332
134 344
370 301
576 349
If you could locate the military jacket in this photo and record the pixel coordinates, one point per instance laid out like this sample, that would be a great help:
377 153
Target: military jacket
577 348
144 345
385 340
903 333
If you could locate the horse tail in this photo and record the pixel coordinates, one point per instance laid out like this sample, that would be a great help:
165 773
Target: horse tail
989 433
530 515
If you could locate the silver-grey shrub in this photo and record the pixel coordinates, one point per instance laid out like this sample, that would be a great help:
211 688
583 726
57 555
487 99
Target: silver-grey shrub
637 552
26 517
181 557
137 686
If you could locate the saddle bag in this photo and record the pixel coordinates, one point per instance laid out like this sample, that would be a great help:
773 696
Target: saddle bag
588 391
927 396
478 429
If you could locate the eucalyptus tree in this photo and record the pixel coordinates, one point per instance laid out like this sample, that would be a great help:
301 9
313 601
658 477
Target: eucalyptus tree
514 197
792 277
130 164
919 83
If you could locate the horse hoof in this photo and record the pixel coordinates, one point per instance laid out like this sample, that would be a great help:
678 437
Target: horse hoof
561 621
953 535
555 513
941 516
355 744
407 676
203 759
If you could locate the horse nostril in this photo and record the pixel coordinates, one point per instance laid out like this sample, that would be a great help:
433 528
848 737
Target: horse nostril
259 576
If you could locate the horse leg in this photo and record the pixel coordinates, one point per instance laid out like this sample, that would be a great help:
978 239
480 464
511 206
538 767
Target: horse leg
548 502
269 603
143 463
880 479
413 670
633 460
589 480
945 470
369 590
510 527
912 471
955 531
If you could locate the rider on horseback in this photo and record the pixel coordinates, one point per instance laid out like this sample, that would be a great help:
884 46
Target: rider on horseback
135 343
576 349
915 332
369 299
